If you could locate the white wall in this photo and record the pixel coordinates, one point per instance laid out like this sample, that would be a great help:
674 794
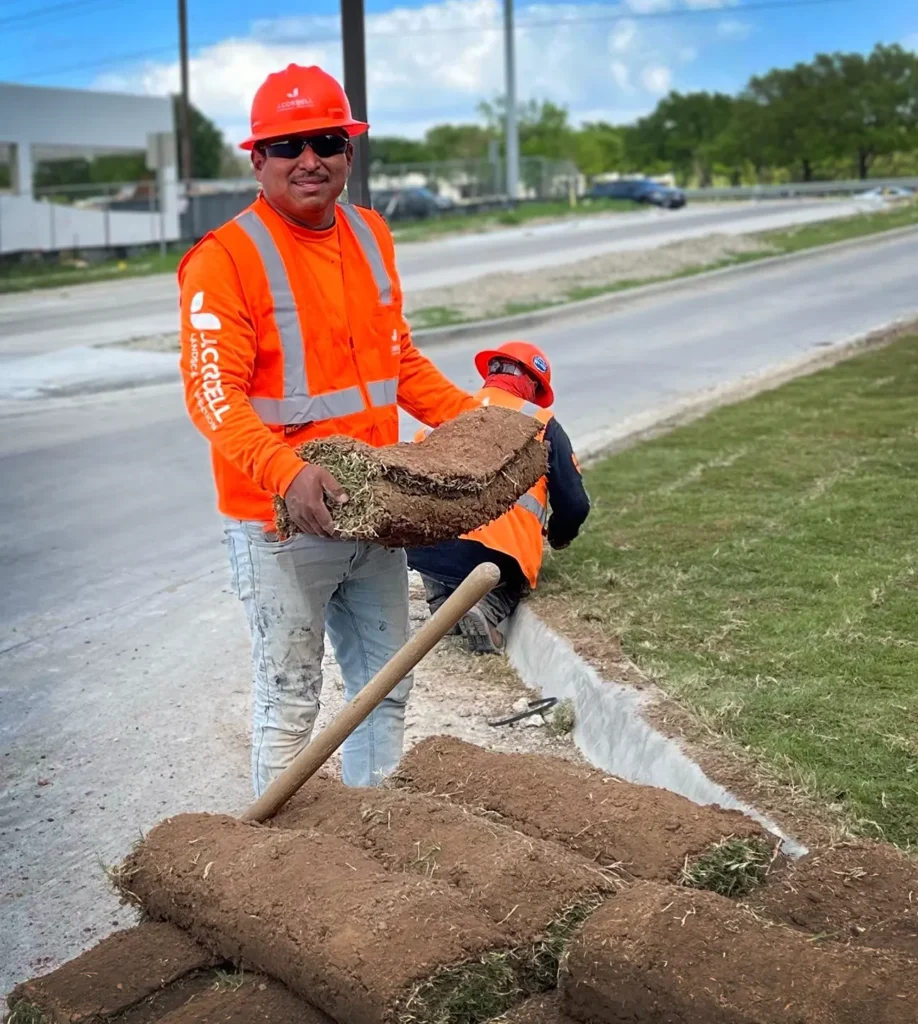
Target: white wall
80 121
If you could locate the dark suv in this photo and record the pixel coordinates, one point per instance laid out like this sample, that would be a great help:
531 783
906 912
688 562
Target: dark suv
409 203
639 190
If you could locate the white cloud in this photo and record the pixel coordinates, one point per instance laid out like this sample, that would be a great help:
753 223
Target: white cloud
434 63
623 36
657 79
734 29
621 75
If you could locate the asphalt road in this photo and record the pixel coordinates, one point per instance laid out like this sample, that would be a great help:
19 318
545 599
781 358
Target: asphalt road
123 656
55 319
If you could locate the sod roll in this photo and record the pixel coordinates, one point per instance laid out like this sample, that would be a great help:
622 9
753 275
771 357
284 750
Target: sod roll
519 881
464 474
644 831
320 916
659 954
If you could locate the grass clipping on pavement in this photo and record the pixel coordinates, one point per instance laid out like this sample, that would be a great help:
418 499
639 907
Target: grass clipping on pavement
760 564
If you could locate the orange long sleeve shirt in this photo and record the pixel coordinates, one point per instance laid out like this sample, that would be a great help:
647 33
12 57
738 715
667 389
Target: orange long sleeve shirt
251 460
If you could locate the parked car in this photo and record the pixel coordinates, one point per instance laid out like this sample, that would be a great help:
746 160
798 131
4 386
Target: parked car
409 203
888 192
639 190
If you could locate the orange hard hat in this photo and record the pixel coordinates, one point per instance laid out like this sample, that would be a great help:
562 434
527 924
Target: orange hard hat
530 357
298 100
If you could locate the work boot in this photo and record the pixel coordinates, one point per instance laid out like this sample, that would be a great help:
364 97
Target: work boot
481 636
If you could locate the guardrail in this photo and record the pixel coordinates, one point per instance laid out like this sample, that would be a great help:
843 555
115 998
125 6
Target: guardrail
794 189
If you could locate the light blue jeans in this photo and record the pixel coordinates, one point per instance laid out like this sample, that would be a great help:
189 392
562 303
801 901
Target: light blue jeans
293 591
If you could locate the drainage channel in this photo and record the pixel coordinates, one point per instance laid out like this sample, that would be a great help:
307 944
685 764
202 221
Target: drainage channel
610 728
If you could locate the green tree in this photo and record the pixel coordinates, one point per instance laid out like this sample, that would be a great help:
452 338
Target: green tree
680 135
458 142
207 142
598 147
390 149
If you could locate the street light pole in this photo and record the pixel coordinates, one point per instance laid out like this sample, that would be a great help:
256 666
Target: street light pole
185 112
512 145
355 85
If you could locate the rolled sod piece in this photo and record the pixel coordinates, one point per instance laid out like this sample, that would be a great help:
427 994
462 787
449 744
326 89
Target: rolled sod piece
525 884
120 971
244 999
645 832
464 474
859 893
320 916
665 955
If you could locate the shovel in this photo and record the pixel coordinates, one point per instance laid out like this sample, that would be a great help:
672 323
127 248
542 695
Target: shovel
480 581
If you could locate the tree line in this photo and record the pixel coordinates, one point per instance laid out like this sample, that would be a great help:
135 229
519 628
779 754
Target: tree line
841 115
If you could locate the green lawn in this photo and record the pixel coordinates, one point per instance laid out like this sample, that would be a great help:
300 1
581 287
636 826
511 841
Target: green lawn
762 565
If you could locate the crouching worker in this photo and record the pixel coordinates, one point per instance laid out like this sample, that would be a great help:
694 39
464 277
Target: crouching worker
517 376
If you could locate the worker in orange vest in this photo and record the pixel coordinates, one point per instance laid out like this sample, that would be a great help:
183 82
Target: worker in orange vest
518 376
292 329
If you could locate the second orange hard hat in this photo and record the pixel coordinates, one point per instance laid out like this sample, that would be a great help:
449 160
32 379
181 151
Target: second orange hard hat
297 101
527 355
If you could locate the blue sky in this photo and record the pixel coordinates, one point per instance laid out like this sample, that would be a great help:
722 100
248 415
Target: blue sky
433 60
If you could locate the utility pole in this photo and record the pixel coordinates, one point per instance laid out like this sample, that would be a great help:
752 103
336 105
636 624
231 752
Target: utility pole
512 145
355 85
186 114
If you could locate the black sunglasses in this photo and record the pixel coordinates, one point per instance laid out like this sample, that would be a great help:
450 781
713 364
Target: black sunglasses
322 145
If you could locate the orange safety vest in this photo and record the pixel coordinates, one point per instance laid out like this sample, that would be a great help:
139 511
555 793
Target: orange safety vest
519 532
301 374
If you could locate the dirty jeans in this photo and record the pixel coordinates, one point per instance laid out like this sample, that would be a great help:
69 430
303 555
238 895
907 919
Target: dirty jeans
293 591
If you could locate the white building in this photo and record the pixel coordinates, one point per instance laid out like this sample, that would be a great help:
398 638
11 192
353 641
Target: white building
38 123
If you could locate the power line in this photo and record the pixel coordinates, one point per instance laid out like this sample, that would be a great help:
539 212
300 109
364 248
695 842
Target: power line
41 12
555 23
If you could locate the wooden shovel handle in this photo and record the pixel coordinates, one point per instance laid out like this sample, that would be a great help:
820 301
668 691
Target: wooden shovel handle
480 581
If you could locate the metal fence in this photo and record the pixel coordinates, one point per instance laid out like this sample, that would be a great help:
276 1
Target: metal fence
98 220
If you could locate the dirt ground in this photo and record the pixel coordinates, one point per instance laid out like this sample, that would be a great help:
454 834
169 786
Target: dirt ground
490 295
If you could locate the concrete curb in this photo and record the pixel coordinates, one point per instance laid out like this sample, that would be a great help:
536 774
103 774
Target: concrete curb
430 336
610 725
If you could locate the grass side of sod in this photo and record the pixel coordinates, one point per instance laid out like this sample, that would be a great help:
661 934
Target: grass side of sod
761 565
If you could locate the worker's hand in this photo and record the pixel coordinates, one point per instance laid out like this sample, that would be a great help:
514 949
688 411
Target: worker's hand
305 500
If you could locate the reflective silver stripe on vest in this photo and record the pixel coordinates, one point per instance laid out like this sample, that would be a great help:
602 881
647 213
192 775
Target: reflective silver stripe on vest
533 505
371 250
531 409
303 409
296 398
383 392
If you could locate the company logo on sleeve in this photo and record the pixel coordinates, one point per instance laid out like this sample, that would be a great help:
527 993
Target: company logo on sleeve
205 362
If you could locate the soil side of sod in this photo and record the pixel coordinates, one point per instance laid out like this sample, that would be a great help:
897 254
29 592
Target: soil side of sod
310 910
859 893
518 881
759 567
661 954
123 969
464 474
640 831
